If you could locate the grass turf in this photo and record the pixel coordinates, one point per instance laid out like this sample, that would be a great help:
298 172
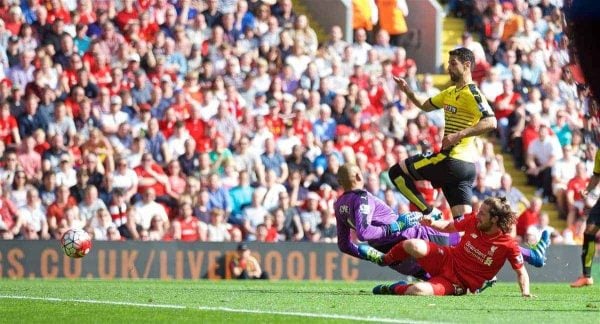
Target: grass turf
88 301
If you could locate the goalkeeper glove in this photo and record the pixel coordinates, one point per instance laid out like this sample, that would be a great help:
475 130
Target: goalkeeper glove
404 221
370 254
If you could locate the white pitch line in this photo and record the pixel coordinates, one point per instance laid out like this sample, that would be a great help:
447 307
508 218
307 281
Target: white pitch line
313 315
91 301
220 309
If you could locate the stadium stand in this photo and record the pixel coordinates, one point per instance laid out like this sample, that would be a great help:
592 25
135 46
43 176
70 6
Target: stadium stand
144 108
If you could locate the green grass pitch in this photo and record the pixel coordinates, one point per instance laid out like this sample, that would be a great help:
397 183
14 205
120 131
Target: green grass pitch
135 301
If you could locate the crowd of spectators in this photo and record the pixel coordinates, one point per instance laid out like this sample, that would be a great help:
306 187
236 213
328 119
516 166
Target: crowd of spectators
226 120
545 110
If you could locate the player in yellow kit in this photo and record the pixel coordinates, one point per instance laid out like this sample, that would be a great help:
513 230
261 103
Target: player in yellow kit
588 250
467 115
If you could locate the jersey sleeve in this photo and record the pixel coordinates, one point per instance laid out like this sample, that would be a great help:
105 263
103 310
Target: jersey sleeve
465 223
515 258
597 163
480 102
344 242
438 100
363 216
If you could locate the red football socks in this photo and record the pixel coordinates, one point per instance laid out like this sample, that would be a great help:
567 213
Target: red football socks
400 289
395 254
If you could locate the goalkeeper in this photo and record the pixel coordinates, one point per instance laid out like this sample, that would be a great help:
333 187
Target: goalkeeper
377 224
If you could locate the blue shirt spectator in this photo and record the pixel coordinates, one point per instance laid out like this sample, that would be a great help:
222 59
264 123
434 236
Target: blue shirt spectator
240 195
324 127
272 160
218 196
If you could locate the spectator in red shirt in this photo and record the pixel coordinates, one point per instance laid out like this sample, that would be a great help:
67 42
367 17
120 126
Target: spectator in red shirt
575 200
531 131
378 94
9 130
10 221
181 105
151 175
400 63
176 180
58 11
195 125
128 13
14 20
529 217
30 160
359 77
504 105
57 210
148 28
428 131
363 145
188 228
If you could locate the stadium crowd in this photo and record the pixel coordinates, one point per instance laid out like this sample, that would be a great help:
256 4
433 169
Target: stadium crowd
226 120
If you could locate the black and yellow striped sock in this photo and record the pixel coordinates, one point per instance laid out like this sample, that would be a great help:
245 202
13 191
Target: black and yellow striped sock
587 253
404 183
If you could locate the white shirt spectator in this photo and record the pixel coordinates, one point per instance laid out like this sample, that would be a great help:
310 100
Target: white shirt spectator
145 213
62 128
271 199
114 120
218 233
209 110
125 180
298 64
254 216
491 89
176 144
89 211
360 52
285 144
66 177
34 218
563 171
544 151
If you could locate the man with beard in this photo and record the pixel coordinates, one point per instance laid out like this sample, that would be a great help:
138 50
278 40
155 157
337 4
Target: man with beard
478 256
467 115
376 224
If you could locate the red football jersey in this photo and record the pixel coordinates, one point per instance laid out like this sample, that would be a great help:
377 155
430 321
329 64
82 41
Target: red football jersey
189 230
479 257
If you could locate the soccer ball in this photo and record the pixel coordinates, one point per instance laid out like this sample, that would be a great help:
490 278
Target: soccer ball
76 243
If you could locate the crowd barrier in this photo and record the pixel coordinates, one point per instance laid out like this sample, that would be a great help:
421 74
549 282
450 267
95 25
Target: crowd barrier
176 260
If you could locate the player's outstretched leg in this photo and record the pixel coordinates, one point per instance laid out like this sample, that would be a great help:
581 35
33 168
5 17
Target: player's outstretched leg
404 183
370 254
389 289
537 257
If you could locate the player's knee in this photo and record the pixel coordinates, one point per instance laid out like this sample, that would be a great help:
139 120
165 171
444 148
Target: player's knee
414 247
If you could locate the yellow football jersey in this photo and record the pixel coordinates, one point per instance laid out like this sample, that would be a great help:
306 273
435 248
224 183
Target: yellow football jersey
463 108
